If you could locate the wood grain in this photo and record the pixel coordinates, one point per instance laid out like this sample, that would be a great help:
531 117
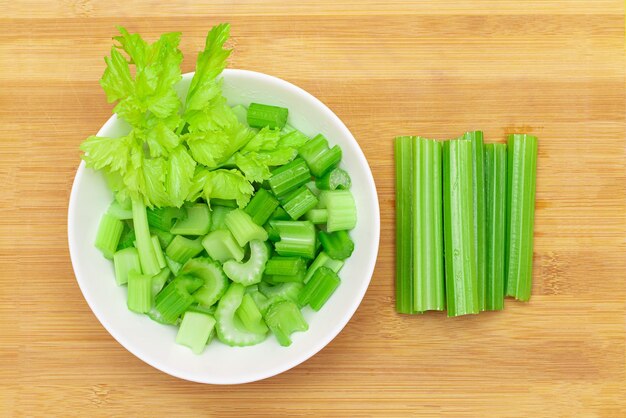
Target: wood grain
436 68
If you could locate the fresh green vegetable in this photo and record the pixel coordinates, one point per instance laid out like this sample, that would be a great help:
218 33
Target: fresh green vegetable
229 328
127 239
165 237
317 216
319 289
159 280
323 260
298 202
175 298
337 245
284 318
318 156
218 216
221 246
251 271
250 315
197 222
125 261
262 115
120 212
195 330
158 251
243 228
211 273
261 207
164 218
297 238
139 292
495 220
460 275
341 209
109 233
334 179
182 249
289 177
285 266
292 139
174 266
522 167
147 256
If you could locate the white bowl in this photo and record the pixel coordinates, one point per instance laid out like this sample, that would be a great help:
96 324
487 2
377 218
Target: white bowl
220 364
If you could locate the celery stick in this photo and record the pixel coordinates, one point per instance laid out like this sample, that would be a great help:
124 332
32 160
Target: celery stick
250 315
333 180
319 289
218 216
108 236
495 221
139 292
229 328
182 249
221 246
262 115
215 281
195 330
243 228
163 218
261 206
478 183
323 260
460 274
284 318
522 167
427 225
297 238
338 245
289 177
147 256
403 147
197 222
298 202
125 261
158 251
127 239
251 271
317 216
341 209
175 298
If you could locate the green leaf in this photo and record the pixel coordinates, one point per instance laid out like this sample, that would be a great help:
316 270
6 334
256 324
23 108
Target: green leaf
221 184
265 140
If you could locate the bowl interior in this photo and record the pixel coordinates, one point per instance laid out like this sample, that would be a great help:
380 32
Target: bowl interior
220 364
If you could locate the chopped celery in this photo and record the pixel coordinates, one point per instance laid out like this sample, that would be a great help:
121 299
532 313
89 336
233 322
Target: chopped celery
218 215
495 220
127 239
297 238
323 260
215 281
317 216
293 139
125 261
319 289
174 266
337 245
318 156
176 297
241 112
460 268
243 227
285 266
281 291
147 256
298 202
229 328
341 209
165 237
159 280
139 292
250 315
284 318
280 215
334 179
262 115
202 309
227 203
262 301
427 227
120 212
261 206
163 218
221 246
182 249
158 251
195 330
272 233
289 177
522 167
478 182
403 148
251 271
197 222
108 236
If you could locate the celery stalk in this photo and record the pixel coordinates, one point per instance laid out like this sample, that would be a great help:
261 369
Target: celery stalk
147 255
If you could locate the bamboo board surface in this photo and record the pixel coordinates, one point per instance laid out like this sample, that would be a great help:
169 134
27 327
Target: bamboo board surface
434 68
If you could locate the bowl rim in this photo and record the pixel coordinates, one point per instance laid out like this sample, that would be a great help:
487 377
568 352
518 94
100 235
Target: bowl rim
326 338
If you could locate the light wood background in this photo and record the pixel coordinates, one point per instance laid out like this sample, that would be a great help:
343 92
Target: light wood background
433 67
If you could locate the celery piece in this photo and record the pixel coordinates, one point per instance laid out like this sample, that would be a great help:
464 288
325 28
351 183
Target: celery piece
427 227
317 216
261 301
163 218
272 233
147 255
120 212
319 289
334 179
298 202
158 251
176 297
174 266
250 315
165 237
229 328
197 222
478 183
221 246
139 292
218 215
403 148
495 221
292 139
460 266
289 177
159 280
202 309
251 271
182 249
227 203
522 167
243 227
341 209
280 215
285 266
261 206
127 239
318 156
262 115
337 245
322 260
278 278
241 113
195 330
284 318
125 261
108 236
281 291
297 238
215 281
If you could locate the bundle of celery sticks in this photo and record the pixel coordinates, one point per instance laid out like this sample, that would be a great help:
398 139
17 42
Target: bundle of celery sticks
464 222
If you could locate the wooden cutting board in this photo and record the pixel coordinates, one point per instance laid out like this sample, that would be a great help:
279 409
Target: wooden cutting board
431 67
